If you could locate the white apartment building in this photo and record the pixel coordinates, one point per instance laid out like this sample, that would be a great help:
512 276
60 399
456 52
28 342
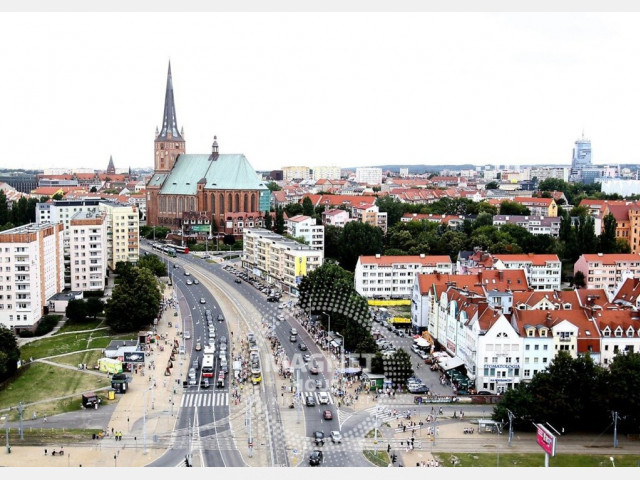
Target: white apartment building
302 226
328 172
88 251
369 175
31 272
535 224
543 271
607 271
392 276
122 239
296 173
123 233
543 173
336 217
278 260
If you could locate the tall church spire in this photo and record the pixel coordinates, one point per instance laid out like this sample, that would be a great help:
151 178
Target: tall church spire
169 122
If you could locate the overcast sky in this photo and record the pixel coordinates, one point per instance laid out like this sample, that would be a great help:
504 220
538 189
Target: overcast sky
346 89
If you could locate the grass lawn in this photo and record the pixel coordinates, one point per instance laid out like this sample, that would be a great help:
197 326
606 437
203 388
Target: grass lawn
532 460
63 343
381 459
39 382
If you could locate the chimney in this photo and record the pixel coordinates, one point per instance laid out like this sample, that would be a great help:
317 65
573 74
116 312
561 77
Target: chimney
377 255
422 255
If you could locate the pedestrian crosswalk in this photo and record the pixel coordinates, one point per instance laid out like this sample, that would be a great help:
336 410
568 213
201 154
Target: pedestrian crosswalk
317 397
205 399
382 413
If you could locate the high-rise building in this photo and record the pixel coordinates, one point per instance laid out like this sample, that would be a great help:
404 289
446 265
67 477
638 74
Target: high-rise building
369 175
32 264
581 158
88 252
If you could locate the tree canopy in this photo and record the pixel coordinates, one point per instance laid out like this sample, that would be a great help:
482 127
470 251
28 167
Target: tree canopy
135 301
9 353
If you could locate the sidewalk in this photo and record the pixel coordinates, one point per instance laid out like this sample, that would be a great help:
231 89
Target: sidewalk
144 415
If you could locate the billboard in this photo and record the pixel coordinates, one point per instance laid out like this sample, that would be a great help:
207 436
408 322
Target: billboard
133 357
200 228
301 267
546 440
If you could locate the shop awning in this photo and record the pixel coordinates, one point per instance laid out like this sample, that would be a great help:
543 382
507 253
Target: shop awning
450 363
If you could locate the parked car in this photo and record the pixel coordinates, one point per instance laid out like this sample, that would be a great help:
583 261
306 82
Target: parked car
237 280
315 458
419 389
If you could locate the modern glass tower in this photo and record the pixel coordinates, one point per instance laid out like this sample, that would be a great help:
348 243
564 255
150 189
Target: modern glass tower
581 158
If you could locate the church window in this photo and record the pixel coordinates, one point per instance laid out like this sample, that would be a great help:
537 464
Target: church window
246 203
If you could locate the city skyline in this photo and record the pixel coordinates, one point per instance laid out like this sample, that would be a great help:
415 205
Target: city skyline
406 89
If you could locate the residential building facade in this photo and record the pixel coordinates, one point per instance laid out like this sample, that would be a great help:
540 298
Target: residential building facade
302 226
88 251
32 271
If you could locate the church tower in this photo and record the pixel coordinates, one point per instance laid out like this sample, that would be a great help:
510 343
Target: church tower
111 169
169 142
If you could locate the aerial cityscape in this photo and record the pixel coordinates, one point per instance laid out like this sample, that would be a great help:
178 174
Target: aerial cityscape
214 310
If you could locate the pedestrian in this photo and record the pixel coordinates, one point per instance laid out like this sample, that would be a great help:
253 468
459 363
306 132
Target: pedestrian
45 419
45 451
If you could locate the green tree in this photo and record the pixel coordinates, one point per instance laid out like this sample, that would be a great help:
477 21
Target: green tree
273 186
93 189
4 208
623 385
607 239
393 207
579 280
134 303
359 239
279 225
293 209
76 311
332 237
398 368
377 364
268 220
492 185
507 207
9 353
307 207
154 264
229 239
94 306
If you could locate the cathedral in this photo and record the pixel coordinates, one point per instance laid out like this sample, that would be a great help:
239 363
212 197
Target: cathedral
200 194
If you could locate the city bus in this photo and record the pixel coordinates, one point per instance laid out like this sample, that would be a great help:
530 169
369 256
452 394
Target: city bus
207 366
180 249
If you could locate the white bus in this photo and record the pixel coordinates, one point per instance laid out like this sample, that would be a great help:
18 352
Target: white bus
207 366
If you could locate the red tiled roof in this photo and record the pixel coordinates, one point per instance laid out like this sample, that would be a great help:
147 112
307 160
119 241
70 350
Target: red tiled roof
388 260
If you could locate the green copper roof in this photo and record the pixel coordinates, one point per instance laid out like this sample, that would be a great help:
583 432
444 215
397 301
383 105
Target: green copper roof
157 180
227 172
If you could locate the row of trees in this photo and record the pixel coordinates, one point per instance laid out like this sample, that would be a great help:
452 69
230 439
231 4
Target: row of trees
576 395
21 213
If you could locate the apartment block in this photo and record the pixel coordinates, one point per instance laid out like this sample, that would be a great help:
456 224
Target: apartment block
296 173
392 276
535 224
88 251
335 217
123 233
543 271
277 260
31 272
302 226
328 172
607 270
369 175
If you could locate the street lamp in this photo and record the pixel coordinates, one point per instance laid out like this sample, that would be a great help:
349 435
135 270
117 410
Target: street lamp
341 353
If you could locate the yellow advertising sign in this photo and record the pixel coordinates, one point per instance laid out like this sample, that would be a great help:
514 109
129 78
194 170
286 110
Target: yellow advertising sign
301 266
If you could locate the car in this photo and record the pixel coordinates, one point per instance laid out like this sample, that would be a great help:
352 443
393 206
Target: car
281 318
187 274
202 300
323 398
316 457
310 401
306 358
313 370
293 331
192 381
302 347
176 265
220 318
419 389
189 282
336 436
223 340
318 383
196 282
192 373
237 280
485 392
205 383
293 338
198 347
318 437
187 335
327 415
281 306
272 299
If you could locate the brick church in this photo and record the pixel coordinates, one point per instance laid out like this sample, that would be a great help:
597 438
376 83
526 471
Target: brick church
187 192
